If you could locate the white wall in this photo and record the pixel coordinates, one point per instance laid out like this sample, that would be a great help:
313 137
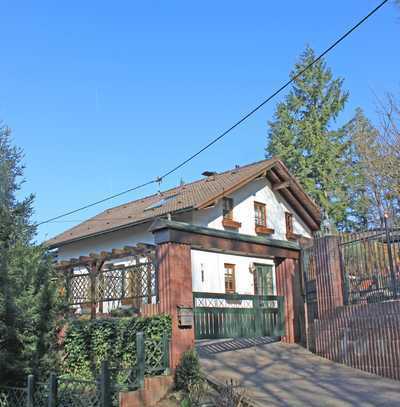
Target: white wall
114 240
260 191
213 266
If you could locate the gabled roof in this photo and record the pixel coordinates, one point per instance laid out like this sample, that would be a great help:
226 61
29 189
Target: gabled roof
195 195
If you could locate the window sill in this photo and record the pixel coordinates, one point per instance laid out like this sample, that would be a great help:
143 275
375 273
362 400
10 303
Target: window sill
292 236
231 224
263 230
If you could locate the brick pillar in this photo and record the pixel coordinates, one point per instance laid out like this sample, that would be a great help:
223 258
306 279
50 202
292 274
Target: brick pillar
288 285
175 288
329 279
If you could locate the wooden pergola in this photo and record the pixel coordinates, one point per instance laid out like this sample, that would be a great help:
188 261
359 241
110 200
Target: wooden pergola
97 265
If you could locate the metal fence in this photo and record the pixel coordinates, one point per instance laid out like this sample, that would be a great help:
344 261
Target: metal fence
152 358
371 265
13 396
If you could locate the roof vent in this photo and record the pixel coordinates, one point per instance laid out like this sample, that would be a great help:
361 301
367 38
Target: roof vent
208 173
234 171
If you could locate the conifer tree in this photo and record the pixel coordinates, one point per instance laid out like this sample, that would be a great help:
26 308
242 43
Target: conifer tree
27 290
302 135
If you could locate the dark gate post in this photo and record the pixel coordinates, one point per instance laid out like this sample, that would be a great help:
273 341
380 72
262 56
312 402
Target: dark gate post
30 390
52 390
258 317
93 277
279 329
390 255
165 347
140 358
105 385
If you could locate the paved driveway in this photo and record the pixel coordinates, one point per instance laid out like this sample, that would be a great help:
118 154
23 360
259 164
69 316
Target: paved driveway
277 374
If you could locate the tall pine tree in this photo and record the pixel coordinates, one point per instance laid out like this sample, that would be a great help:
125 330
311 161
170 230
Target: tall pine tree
301 135
28 301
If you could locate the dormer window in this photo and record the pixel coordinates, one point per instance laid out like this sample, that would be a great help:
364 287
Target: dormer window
260 219
227 214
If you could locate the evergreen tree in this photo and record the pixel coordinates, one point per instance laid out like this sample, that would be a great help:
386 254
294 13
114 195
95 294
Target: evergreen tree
27 290
375 168
301 135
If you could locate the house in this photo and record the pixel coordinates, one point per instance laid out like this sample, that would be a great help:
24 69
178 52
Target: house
218 244
260 200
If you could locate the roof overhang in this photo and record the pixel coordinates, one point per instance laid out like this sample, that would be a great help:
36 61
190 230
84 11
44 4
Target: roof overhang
284 183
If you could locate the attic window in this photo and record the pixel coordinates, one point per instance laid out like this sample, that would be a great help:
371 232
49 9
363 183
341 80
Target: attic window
289 223
227 208
161 202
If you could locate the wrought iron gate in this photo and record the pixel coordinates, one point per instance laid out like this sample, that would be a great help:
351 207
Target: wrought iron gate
235 315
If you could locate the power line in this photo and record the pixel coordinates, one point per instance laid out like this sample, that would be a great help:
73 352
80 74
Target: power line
97 202
223 134
89 220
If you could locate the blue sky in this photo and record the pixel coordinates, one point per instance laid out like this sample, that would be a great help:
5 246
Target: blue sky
105 95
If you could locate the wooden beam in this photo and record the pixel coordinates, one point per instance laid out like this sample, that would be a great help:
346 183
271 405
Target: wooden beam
228 245
293 201
141 249
284 184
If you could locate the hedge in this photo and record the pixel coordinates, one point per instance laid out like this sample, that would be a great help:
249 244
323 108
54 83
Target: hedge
88 343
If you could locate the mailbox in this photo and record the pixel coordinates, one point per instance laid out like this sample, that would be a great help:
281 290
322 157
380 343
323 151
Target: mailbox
185 316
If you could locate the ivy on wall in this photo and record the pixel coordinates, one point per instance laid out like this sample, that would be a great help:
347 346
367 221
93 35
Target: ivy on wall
88 343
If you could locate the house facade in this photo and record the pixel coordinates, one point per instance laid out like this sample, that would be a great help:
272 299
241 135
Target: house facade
243 201
226 247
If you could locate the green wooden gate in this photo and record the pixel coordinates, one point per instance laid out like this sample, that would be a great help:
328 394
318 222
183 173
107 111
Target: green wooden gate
237 316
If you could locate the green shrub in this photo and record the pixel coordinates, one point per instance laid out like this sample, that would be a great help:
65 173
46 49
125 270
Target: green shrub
88 343
187 372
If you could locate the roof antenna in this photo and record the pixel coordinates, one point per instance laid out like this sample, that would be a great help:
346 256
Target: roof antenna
159 180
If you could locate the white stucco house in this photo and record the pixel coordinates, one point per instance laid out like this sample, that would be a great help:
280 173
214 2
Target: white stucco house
260 202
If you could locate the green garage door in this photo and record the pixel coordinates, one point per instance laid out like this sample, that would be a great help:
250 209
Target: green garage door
237 316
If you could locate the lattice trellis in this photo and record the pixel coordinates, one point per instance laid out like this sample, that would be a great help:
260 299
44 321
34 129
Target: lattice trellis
131 282
78 287
155 355
93 280
136 282
223 303
209 300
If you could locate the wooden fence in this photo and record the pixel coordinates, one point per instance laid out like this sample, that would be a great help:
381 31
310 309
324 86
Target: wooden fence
364 336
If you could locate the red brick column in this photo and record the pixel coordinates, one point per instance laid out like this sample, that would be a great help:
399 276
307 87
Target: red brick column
288 285
329 280
175 288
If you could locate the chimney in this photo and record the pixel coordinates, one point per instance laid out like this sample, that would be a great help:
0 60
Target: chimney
209 174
